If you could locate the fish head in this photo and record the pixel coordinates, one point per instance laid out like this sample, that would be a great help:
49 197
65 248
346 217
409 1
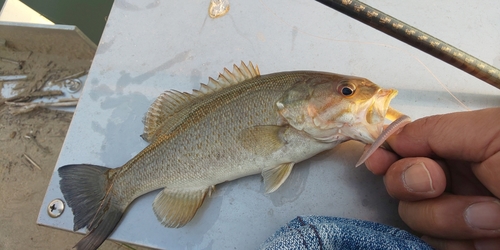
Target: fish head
333 108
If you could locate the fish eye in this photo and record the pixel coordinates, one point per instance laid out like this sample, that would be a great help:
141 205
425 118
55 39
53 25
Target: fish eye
346 89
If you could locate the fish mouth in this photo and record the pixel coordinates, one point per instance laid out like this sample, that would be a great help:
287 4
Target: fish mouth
361 121
376 114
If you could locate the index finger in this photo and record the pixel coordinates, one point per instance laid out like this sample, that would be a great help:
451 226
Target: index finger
470 136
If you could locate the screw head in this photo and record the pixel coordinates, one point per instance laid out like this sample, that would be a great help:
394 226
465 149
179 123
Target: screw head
55 208
73 85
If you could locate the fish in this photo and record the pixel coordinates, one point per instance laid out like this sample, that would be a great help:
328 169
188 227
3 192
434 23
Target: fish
241 124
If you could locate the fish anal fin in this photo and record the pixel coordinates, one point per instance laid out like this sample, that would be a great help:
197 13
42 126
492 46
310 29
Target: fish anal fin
262 140
274 177
175 208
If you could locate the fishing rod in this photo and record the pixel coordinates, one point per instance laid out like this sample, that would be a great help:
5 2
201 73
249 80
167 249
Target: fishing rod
416 38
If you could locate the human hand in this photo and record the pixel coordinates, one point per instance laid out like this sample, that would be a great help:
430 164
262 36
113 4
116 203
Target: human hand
446 173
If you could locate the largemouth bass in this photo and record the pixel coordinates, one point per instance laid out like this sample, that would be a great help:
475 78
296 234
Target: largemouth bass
241 124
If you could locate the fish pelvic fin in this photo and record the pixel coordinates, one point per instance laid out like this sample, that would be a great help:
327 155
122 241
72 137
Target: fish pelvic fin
274 177
86 190
175 208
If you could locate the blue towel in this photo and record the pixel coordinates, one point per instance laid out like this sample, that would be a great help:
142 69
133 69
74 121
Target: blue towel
321 232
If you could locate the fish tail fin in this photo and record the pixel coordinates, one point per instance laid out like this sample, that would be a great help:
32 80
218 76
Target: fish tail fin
86 189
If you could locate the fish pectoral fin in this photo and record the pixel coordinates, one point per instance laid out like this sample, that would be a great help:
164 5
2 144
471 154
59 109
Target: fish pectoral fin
175 208
274 177
262 140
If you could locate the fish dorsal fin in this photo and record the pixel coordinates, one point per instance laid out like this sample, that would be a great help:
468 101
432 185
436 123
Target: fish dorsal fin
175 208
274 177
171 102
164 106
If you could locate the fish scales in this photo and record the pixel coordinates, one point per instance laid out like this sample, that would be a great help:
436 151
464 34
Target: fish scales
238 125
216 121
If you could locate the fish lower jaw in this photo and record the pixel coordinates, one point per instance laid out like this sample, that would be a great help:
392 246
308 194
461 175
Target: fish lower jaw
362 131
356 128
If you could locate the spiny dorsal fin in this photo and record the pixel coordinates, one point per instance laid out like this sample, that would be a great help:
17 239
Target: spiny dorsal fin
228 78
171 102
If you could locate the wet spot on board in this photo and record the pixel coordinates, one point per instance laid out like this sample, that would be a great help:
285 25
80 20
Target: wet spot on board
126 78
100 91
98 128
123 127
202 222
104 46
153 4
270 212
293 186
125 5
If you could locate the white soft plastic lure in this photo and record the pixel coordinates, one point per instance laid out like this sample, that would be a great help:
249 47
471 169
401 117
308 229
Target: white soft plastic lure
390 130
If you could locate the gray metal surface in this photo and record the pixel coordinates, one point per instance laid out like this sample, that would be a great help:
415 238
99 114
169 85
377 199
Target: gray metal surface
153 46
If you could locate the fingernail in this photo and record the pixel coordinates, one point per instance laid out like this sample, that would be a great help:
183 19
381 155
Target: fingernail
483 215
417 178
487 244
